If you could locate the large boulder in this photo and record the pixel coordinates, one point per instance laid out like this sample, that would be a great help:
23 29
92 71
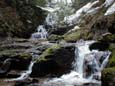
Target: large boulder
108 77
56 60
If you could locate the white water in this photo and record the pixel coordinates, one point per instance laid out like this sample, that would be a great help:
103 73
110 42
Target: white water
40 34
25 74
53 8
111 10
75 18
83 58
108 2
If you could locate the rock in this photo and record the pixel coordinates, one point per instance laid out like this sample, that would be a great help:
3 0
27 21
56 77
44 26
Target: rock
108 74
108 78
112 58
61 30
76 35
56 60
55 37
108 37
99 46
102 25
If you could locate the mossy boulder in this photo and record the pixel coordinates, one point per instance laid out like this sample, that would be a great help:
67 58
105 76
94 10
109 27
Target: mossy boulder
47 54
76 35
108 77
55 37
108 37
55 60
19 61
112 58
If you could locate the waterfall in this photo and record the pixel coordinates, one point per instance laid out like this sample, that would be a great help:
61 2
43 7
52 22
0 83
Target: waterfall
111 10
25 74
40 34
76 18
87 67
57 10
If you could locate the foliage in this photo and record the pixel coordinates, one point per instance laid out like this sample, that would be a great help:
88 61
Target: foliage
39 2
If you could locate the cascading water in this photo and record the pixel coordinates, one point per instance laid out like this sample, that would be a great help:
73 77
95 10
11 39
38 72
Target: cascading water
40 34
56 9
87 67
25 74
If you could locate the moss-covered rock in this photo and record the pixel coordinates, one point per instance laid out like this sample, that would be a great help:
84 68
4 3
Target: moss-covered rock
47 54
55 37
108 38
112 58
108 77
73 36
54 60
76 35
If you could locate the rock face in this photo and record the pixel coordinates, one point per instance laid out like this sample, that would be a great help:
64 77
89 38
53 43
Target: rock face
103 25
19 18
13 55
56 60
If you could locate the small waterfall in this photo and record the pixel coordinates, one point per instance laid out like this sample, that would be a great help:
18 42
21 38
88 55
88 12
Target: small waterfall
25 74
80 53
87 67
56 9
40 34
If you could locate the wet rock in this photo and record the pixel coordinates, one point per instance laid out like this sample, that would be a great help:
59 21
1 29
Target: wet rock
99 46
55 38
108 78
102 25
61 30
56 60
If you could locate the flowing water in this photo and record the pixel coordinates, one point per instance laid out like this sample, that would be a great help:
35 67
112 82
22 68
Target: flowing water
24 75
62 12
56 9
86 67
88 64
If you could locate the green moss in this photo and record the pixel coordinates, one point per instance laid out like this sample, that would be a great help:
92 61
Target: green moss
89 36
14 53
108 38
25 56
48 53
55 37
108 74
112 58
79 34
74 36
